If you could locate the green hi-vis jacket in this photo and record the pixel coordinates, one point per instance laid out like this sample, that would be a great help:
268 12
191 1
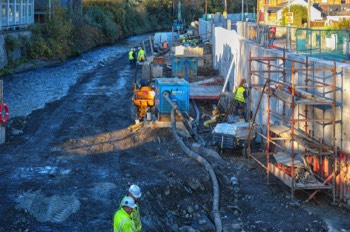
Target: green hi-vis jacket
135 216
123 222
239 94
131 57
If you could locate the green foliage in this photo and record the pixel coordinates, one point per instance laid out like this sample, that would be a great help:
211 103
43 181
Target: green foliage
54 38
5 72
299 15
342 24
104 22
12 43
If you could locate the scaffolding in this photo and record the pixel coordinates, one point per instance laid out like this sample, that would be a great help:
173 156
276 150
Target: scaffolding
294 97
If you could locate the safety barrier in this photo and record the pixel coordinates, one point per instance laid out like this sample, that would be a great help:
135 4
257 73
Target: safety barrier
3 106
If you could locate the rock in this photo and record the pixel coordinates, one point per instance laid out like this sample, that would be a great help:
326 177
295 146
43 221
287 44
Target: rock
196 215
187 229
190 209
205 225
194 183
188 189
235 226
167 190
14 131
202 221
175 227
196 147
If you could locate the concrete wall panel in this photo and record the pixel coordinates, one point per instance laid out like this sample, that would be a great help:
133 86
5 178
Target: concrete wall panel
3 52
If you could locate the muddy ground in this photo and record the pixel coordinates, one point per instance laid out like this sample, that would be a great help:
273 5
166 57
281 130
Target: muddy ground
66 167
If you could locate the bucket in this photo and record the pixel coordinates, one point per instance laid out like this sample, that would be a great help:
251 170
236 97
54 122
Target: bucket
149 116
234 183
158 60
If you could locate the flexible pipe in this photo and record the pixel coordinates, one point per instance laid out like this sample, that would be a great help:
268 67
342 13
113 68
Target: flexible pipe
196 109
200 159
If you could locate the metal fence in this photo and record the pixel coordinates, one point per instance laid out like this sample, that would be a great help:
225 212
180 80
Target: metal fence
325 44
319 43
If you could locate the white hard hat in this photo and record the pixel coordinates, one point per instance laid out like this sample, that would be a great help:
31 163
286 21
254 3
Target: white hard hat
135 191
129 202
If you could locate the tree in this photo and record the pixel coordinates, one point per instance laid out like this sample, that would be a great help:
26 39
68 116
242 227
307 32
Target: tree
299 15
343 23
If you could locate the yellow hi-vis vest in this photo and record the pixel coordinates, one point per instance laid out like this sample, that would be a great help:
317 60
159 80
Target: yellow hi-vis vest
239 94
131 57
141 55
122 222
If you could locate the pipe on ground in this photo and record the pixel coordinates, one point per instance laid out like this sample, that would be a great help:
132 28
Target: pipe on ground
200 159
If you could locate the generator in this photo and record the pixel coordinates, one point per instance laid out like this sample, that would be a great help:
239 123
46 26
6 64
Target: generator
232 135
179 92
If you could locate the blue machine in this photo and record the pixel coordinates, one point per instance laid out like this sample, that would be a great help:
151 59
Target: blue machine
184 67
179 90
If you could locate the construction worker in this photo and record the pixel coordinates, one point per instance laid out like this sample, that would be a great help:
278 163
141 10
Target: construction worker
141 55
240 98
135 194
183 38
271 35
122 221
165 44
131 57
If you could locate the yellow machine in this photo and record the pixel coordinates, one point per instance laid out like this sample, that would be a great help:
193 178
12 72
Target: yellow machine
143 101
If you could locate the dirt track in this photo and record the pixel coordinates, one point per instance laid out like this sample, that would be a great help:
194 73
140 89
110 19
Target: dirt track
75 159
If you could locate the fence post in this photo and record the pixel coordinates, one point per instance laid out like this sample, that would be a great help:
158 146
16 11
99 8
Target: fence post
2 128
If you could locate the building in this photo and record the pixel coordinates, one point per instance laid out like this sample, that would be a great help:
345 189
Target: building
44 7
270 10
17 14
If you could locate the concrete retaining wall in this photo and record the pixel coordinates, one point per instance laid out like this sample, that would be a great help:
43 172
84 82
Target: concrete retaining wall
17 52
3 53
228 45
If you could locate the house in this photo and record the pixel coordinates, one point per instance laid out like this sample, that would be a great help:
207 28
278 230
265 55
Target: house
43 7
334 7
315 14
270 11
16 14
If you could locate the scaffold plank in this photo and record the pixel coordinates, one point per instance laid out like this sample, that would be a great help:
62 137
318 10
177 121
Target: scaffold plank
286 159
211 92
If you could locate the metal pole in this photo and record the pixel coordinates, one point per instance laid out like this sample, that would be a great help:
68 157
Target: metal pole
225 6
308 13
206 8
292 131
2 128
50 9
242 10
289 32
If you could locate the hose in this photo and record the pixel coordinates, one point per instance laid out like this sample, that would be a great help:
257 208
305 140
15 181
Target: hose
196 109
200 159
